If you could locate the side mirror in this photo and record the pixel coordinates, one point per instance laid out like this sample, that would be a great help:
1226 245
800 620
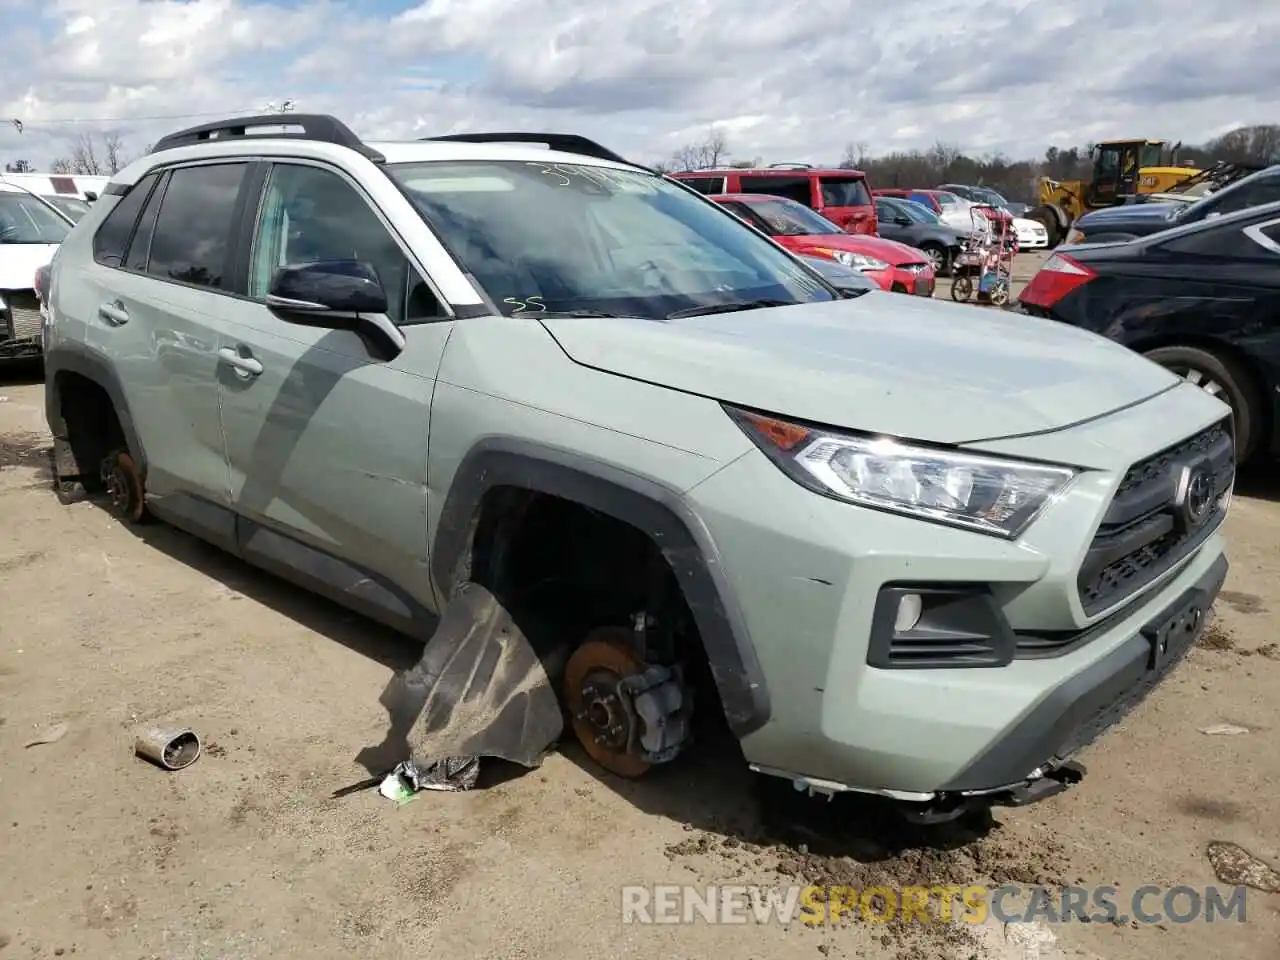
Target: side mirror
337 295
902 221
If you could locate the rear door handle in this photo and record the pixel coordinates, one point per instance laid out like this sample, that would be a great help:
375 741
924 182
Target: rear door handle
243 366
113 312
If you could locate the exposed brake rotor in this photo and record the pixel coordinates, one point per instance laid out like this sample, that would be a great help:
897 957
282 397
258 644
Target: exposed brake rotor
627 714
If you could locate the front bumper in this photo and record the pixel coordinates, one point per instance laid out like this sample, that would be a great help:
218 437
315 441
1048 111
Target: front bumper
917 280
1033 241
21 324
807 573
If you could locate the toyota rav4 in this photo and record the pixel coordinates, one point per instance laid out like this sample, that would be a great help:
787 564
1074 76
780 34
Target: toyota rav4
914 550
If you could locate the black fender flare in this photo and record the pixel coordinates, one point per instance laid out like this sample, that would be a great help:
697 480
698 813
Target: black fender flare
659 511
78 359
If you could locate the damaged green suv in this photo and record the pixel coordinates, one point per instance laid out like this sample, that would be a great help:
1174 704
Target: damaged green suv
904 547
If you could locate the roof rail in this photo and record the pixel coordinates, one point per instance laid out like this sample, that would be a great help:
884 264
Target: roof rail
319 127
791 166
565 142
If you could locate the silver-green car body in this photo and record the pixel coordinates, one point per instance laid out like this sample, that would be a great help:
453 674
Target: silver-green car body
361 476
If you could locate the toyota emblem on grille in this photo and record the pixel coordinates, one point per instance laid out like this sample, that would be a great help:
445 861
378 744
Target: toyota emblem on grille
1194 498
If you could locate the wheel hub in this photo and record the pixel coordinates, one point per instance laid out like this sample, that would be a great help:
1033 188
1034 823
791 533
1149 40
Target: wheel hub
627 714
603 712
118 487
123 482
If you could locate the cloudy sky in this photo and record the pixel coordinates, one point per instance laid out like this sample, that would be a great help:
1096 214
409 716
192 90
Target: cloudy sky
786 81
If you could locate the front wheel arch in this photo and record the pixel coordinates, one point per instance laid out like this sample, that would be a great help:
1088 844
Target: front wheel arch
462 549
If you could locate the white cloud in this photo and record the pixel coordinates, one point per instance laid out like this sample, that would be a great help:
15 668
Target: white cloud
788 81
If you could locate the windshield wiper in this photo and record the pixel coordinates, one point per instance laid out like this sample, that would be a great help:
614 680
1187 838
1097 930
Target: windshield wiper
731 307
599 314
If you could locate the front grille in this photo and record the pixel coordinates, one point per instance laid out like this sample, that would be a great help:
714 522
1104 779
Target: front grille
23 314
1151 523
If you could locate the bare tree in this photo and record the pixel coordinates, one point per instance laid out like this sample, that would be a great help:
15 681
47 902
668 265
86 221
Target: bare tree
84 156
113 152
19 166
91 158
856 156
704 155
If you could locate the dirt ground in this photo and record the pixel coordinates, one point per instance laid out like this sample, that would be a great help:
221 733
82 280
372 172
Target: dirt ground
247 855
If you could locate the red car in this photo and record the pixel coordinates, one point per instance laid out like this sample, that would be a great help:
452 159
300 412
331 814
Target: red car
842 196
896 267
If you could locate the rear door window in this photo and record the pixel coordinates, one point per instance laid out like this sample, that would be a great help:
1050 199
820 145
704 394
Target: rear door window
793 188
112 237
140 245
845 191
193 230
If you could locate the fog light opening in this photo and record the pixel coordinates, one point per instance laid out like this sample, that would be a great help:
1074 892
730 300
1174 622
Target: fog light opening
910 609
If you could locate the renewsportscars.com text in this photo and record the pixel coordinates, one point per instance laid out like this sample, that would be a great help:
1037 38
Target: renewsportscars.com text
1009 903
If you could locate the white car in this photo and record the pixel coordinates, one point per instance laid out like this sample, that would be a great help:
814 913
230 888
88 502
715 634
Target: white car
958 213
1031 234
30 231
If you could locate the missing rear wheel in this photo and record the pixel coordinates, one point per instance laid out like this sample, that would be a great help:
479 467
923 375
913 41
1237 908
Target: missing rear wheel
123 482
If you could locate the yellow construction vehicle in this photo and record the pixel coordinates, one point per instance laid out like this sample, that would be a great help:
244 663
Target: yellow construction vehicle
1121 169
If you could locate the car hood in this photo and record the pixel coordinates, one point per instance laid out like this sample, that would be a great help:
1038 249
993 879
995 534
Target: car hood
905 366
19 261
1023 225
1143 214
890 251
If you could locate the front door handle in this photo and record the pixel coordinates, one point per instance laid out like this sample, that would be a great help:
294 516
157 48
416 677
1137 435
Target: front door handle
243 366
114 313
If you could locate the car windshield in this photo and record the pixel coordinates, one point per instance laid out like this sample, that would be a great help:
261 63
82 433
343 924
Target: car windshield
563 237
947 199
991 197
73 207
786 218
26 219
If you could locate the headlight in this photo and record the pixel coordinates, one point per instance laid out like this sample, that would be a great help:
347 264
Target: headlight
859 261
986 494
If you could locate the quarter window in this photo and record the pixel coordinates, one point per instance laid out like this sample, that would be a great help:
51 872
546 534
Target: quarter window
309 214
194 227
112 238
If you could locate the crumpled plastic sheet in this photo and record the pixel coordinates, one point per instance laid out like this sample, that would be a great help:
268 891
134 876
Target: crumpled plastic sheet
481 689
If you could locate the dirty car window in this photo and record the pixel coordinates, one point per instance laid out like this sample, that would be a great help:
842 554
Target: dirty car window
545 237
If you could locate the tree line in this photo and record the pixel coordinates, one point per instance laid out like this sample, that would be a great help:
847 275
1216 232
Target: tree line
948 163
90 155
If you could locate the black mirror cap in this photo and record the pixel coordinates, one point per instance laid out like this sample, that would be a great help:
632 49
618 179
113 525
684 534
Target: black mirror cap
328 286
